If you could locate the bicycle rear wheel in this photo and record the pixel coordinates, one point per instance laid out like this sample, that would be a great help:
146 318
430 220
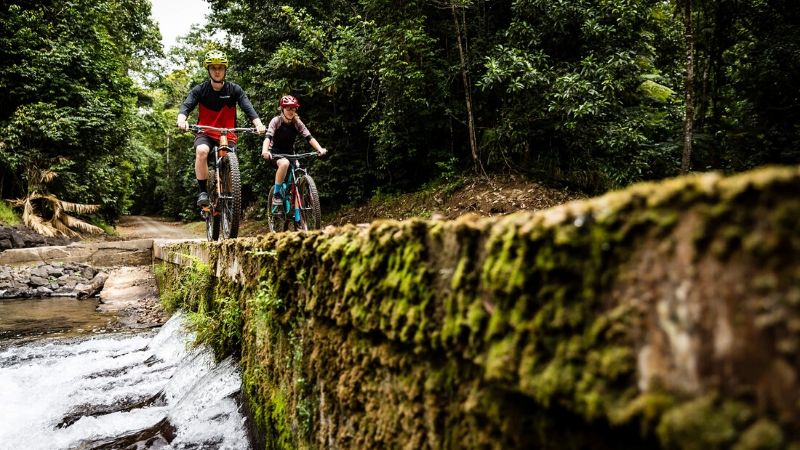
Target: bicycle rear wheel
276 217
212 219
310 212
230 196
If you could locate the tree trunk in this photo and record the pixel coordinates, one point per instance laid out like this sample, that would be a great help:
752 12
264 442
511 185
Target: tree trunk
473 141
688 124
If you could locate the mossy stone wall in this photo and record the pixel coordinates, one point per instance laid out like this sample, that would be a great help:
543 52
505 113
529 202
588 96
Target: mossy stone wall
665 315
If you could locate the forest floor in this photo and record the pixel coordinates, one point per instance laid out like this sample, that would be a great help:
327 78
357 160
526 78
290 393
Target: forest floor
482 196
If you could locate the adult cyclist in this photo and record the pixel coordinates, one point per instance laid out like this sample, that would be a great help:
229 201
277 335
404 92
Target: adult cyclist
217 99
281 134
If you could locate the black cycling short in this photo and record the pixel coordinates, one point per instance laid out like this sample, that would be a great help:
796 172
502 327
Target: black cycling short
202 138
280 152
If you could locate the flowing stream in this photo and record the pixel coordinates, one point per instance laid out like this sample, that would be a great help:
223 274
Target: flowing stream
136 390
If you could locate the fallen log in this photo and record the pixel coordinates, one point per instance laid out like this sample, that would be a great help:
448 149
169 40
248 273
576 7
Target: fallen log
93 287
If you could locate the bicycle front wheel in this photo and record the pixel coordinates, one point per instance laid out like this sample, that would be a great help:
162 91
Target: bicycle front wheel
211 213
230 196
310 212
276 218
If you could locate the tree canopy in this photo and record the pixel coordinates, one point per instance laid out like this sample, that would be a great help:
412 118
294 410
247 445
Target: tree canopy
589 94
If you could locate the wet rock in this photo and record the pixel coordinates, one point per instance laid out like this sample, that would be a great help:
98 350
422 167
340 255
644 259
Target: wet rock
18 241
39 272
46 280
88 272
36 280
43 291
24 237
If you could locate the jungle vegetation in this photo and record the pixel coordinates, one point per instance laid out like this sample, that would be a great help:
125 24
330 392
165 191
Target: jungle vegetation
587 94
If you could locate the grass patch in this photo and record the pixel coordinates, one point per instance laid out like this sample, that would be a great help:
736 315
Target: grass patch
107 229
7 215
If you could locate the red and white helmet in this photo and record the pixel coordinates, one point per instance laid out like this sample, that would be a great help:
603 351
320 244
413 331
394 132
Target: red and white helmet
287 101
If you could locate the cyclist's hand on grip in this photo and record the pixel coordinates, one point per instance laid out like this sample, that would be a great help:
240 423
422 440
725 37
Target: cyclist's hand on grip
266 154
183 125
261 129
322 151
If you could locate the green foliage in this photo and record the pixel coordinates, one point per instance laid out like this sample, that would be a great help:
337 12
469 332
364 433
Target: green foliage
576 82
220 328
7 215
588 93
67 93
189 289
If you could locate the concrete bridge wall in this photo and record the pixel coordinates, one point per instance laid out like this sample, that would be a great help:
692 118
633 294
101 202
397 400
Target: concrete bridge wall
666 315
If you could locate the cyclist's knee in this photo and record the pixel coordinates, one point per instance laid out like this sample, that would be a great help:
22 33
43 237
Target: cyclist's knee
202 151
282 163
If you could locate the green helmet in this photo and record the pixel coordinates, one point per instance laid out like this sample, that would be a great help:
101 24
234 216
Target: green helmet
215 57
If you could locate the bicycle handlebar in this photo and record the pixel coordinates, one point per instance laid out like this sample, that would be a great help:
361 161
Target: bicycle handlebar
294 157
198 128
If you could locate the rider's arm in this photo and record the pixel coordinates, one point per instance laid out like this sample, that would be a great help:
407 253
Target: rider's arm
267 146
187 106
301 128
260 128
182 122
320 149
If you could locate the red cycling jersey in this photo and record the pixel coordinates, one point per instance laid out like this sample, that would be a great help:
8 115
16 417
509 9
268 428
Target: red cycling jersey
218 108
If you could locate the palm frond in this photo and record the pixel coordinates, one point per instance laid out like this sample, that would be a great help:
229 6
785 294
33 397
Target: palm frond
79 208
47 176
79 224
62 228
54 202
33 221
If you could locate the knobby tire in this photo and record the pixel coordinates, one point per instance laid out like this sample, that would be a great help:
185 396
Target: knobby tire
231 203
275 219
212 221
311 213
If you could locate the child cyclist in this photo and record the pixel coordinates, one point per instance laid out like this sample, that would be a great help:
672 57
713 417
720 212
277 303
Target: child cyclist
281 133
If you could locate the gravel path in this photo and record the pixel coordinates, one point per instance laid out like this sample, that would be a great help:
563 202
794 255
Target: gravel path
143 227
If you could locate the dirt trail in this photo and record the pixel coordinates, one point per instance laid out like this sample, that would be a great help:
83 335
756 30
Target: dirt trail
143 227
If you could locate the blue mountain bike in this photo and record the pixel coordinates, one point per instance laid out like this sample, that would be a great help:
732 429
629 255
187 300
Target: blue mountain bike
300 210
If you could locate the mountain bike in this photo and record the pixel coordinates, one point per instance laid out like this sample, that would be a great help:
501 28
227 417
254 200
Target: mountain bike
224 186
300 208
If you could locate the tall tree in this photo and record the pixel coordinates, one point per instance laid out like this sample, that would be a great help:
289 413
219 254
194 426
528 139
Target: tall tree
66 93
688 124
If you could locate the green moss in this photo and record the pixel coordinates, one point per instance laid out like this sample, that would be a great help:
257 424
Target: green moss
475 332
501 359
702 423
188 288
762 435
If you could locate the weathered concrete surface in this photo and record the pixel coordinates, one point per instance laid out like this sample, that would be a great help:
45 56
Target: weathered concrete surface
665 315
97 254
131 294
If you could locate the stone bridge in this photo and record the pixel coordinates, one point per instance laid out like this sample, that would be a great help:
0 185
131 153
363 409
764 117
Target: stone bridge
663 316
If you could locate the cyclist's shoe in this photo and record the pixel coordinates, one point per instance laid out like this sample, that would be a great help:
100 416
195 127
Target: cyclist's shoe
202 199
277 202
277 199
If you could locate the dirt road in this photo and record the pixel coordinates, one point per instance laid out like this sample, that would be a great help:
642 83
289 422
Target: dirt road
143 227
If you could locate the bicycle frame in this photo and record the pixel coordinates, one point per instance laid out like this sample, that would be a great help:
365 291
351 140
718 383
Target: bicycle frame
224 209
293 203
